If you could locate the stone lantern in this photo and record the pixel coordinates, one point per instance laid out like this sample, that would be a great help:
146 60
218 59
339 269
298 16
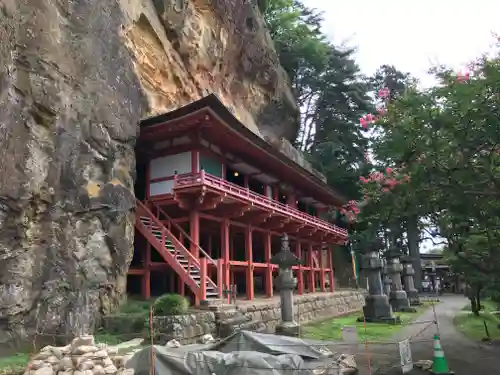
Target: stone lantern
397 297
408 274
377 307
286 283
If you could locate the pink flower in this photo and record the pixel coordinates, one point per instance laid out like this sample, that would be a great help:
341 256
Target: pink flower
388 170
376 176
381 111
363 122
383 93
390 183
463 76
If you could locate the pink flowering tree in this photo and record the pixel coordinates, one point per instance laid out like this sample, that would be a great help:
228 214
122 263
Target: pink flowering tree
438 158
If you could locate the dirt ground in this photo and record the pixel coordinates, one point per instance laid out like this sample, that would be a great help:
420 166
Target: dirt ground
464 357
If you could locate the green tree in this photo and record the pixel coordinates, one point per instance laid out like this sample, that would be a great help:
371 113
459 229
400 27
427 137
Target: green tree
447 139
329 89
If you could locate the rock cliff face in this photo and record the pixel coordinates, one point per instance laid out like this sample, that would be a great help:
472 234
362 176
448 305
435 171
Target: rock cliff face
76 76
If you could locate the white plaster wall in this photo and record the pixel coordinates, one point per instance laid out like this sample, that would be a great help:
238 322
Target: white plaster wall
166 166
162 187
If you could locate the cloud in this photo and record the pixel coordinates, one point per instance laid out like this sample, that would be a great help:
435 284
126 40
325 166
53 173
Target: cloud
413 36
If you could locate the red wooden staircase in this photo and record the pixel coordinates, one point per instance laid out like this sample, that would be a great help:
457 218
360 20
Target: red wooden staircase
192 270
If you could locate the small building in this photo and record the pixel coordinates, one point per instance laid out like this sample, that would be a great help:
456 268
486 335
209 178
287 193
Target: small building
214 199
436 273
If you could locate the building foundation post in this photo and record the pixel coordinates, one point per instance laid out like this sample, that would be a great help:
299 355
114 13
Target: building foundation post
249 257
300 272
269 269
146 277
310 263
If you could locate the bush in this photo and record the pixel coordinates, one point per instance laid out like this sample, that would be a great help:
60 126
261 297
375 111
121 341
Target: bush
170 304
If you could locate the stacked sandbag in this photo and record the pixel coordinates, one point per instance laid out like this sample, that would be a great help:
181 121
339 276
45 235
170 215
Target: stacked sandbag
82 357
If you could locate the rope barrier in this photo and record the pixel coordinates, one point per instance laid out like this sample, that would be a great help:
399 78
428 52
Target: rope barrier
370 351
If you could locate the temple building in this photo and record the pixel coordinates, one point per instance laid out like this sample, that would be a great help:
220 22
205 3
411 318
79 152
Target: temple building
214 199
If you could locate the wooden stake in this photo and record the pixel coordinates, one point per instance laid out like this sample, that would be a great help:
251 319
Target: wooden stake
153 353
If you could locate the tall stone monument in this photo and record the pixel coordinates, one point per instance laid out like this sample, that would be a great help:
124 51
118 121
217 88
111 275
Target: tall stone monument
397 297
286 283
408 274
386 280
377 307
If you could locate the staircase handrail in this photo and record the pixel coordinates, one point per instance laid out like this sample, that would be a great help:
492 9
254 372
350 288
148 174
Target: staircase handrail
315 259
191 241
169 234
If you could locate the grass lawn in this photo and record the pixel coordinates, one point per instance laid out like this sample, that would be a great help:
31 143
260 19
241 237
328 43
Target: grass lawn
13 364
331 329
473 326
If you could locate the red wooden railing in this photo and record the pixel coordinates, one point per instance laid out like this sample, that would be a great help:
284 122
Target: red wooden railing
159 211
202 178
199 290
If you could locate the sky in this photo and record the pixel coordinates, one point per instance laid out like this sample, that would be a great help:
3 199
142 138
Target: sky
412 35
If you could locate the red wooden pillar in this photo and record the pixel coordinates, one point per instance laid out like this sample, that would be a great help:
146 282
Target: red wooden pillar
146 278
276 193
249 257
194 233
310 261
269 269
203 279
300 272
292 200
330 266
220 277
323 269
224 233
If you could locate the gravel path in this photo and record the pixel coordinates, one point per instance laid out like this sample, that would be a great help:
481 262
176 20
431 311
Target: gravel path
464 357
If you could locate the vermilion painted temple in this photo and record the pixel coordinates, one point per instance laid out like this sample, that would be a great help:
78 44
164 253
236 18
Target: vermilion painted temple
214 199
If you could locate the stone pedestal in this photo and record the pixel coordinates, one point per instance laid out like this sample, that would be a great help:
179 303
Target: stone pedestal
386 280
408 275
397 296
377 307
286 283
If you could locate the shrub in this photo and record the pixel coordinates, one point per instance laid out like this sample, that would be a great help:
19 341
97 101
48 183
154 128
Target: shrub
170 304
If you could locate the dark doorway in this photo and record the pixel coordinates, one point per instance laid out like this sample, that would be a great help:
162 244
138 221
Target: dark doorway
134 283
235 177
282 197
256 186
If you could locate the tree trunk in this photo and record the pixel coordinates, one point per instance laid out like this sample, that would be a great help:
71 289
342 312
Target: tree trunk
473 306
